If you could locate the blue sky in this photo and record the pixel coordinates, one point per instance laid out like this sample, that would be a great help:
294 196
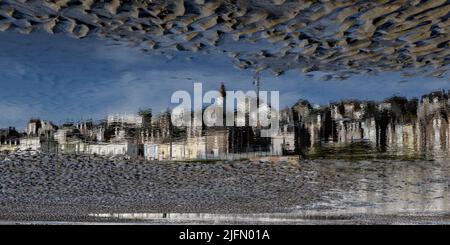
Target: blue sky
58 78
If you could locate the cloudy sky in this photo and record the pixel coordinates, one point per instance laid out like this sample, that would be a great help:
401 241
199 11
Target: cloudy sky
58 78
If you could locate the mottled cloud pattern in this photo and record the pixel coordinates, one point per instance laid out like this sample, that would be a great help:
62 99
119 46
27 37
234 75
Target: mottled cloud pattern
340 37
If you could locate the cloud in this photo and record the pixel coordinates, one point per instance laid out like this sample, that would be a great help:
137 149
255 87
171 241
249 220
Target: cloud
61 79
14 114
344 37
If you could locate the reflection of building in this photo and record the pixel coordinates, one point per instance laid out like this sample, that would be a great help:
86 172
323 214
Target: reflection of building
433 115
302 114
353 121
397 125
283 141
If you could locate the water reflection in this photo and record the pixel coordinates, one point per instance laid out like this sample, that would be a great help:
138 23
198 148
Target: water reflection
364 150
206 217
379 191
387 187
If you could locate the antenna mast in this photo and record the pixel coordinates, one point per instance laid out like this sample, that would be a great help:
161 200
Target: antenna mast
257 83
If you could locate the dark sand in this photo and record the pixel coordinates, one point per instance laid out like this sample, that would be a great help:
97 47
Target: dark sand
68 188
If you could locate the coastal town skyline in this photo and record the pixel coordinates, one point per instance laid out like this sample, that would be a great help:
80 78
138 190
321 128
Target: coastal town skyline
135 112
410 128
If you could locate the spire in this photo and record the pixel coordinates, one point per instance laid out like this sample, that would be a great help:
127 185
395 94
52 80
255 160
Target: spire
223 93
222 90
257 83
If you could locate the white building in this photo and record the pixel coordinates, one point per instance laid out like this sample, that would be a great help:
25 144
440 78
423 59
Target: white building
193 148
38 127
151 151
37 144
282 141
30 143
61 135
10 145
73 146
111 149
124 119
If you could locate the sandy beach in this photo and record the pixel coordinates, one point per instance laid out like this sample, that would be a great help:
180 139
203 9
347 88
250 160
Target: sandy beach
36 188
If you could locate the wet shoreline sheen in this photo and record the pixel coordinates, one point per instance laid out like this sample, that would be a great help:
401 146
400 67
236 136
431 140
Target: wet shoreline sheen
69 188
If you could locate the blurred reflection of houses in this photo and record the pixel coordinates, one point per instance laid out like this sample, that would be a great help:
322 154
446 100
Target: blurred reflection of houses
397 124
283 142
353 121
433 115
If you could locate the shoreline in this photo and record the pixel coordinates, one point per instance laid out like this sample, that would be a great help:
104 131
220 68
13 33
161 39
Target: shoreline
242 219
68 188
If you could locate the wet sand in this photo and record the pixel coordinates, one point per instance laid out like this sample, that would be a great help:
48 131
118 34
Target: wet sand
71 189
